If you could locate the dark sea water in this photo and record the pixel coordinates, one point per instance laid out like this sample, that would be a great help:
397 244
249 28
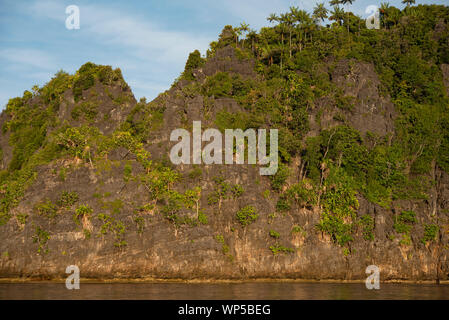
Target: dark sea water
225 291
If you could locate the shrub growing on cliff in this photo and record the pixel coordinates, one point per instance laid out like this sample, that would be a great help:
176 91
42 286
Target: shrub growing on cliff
301 193
78 141
86 75
47 208
430 233
41 237
222 191
278 180
277 249
67 199
274 234
193 62
403 224
111 224
339 207
81 213
88 110
247 215
367 223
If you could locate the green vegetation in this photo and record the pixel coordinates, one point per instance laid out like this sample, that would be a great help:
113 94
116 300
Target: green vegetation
224 247
144 119
202 218
278 249
194 61
140 223
127 172
430 233
279 179
274 234
195 173
85 78
403 224
78 142
367 223
301 194
81 213
22 218
47 209
299 230
50 210
237 190
114 206
41 237
67 199
222 191
339 207
111 224
88 110
247 215
62 174
290 55
266 194
222 84
179 206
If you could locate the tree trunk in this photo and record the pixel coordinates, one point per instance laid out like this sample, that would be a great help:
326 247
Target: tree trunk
290 43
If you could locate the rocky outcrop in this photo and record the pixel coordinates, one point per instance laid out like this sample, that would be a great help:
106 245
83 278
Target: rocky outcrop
155 248
226 60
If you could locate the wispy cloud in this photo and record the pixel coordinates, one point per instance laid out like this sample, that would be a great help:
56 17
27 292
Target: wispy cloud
113 26
27 58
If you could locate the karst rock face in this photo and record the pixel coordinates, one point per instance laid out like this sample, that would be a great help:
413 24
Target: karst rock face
127 232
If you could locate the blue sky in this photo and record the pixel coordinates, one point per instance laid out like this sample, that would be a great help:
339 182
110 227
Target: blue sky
149 40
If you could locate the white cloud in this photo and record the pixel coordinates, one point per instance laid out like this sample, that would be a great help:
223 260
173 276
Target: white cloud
108 34
112 26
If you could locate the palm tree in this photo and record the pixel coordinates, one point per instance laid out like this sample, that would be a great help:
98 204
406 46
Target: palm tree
289 20
345 2
384 8
238 33
244 27
283 29
266 51
278 48
337 15
294 12
320 12
302 18
309 25
335 3
408 2
252 36
272 18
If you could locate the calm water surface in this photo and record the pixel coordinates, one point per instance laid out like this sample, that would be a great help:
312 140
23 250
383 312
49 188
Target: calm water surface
225 291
